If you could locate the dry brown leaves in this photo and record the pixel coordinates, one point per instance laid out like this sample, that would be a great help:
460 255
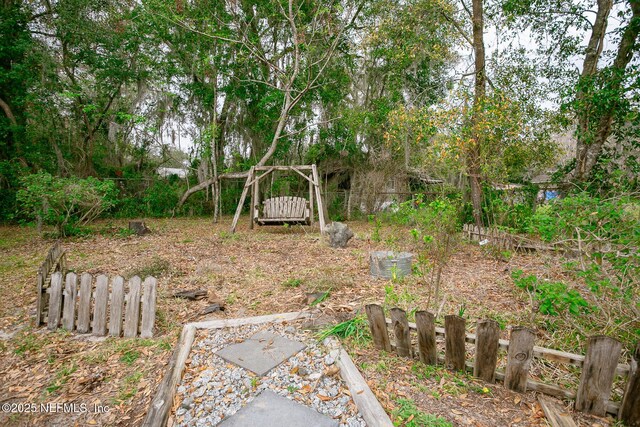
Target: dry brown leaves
266 270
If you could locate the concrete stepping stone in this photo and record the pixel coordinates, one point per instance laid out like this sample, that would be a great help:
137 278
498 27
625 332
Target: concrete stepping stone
271 410
261 353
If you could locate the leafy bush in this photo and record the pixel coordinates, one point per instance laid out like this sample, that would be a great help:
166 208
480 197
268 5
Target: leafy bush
601 229
161 198
66 203
554 297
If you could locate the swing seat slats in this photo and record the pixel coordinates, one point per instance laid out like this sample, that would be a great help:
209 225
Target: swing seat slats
285 210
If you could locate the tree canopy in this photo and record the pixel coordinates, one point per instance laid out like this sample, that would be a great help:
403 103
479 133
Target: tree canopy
365 89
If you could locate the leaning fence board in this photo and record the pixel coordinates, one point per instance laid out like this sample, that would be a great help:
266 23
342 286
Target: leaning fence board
425 325
630 409
488 335
132 314
455 352
40 296
54 261
597 374
555 415
401 332
100 307
519 359
55 301
117 300
84 304
378 326
148 307
70 295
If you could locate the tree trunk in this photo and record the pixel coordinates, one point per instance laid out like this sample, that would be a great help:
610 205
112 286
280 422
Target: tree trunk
587 149
473 152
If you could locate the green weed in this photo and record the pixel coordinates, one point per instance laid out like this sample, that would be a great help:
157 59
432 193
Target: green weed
323 297
129 388
292 283
61 378
356 329
130 356
407 414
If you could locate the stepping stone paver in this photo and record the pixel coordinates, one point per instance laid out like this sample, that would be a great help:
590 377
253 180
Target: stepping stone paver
262 352
271 410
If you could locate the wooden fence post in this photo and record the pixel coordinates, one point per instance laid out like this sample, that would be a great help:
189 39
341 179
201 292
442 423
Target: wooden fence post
598 373
378 326
40 297
630 409
84 305
55 301
519 358
401 331
70 295
148 307
100 308
132 314
117 300
454 338
487 340
426 328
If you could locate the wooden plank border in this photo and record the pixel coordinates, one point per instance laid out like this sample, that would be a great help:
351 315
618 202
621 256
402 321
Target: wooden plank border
158 413
366 402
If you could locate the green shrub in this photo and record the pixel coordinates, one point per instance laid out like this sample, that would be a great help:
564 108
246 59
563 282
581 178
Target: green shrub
554 297
161 198
603 229
66 203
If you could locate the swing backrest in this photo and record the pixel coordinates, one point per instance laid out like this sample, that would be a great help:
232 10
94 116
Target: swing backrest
285 208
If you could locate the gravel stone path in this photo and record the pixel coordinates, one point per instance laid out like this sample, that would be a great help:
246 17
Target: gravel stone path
213 389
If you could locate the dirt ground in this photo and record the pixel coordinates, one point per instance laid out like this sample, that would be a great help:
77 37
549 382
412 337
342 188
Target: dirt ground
252 272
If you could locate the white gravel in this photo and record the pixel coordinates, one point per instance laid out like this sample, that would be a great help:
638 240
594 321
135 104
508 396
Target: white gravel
213 389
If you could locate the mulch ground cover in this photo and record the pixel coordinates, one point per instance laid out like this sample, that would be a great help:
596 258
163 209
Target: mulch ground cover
252 272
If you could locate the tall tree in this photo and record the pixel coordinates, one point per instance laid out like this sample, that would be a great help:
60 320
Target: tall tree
480 88
292 43
597 96
600 93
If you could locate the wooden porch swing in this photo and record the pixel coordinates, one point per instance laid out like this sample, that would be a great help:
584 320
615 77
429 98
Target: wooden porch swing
282 210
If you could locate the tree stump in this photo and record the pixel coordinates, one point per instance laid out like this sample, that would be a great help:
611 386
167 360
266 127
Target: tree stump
139 228
339 234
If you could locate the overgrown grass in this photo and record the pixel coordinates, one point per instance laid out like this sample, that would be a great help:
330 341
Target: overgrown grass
356 330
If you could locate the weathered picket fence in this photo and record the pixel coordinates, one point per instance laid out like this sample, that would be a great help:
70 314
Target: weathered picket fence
599 366
54 261
123 310
502 239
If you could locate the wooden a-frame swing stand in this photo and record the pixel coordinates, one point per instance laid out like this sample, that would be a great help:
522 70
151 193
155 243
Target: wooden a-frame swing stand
281 210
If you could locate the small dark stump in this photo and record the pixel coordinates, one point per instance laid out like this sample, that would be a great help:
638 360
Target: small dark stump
139 228
339 234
